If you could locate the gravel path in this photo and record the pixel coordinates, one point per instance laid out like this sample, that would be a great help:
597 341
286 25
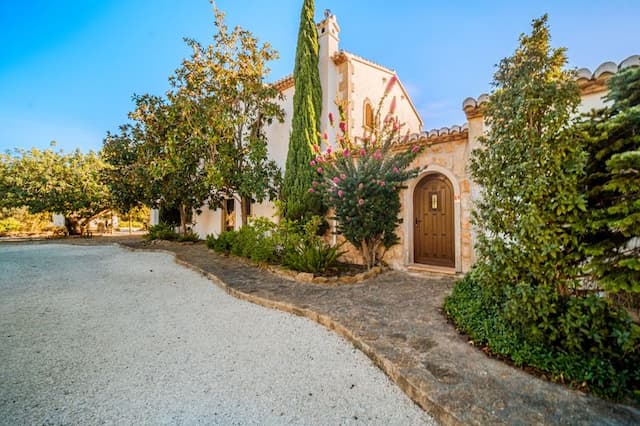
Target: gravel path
101 335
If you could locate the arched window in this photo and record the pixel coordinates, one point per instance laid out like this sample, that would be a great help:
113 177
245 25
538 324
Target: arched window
368 115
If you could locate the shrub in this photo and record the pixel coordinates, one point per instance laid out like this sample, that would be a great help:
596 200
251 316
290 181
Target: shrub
223 243
10 225
255 241
162 231
289 243
315 257
362 182
585 341
188 237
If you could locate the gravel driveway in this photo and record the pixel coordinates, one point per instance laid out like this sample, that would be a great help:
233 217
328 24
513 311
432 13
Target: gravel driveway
101 335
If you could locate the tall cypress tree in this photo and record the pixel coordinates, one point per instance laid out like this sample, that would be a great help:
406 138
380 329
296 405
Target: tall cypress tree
612 184
298 203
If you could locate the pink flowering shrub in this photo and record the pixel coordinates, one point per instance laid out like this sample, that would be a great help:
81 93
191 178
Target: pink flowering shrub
362 181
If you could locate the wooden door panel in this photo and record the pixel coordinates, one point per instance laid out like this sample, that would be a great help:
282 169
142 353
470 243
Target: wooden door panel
434 230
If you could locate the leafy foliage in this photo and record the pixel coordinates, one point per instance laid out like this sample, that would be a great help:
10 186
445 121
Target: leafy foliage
286 243
298 204
162 231
123 174
19 220
167 156
612 186
54 182
221 91
316 256
362 184
588 343
188 237
203 141
9 224
255 241
522 298
528 168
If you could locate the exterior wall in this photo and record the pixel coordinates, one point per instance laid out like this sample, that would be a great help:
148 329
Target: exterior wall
207 222
368 83
154 217
58 220
446 155
328 40
278 133
265 209
592 101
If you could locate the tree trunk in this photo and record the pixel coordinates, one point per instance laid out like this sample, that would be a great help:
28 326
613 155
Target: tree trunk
243 210
183 218
129 222
366 254
73 225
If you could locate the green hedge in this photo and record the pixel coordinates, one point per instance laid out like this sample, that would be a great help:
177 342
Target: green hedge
588 343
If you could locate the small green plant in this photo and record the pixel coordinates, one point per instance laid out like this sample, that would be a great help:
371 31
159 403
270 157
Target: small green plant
188 237
288 243
162 231
223 243
315 257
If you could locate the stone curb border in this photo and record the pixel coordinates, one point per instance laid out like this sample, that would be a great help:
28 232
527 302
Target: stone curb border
291 275
326 281
413 390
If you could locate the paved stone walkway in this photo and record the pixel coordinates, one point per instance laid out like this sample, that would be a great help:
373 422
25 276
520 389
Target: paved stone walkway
396 319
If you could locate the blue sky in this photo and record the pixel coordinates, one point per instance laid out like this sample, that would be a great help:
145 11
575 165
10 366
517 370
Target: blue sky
68 68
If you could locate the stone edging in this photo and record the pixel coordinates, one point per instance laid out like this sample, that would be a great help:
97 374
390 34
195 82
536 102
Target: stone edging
289 274
413 390
328 281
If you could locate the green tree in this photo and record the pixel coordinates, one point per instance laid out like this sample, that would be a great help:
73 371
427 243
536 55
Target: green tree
527 168
123 173
169 156
612 185
305 127
518 299
222 95
55 182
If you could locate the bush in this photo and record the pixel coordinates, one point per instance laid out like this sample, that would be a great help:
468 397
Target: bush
223 243
362 182
162 231
188 237
256 241
315 257
288 243
582 341
9 225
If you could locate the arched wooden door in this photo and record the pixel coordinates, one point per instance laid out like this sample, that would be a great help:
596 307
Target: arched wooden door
434 231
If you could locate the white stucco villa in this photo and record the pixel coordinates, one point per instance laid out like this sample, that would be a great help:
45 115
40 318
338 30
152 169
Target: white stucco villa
435 232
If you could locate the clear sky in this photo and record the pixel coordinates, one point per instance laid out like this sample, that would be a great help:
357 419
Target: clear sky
68 68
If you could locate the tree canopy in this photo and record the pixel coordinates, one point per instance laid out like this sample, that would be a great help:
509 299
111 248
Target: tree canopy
527 168
55 182
612 186
222 93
